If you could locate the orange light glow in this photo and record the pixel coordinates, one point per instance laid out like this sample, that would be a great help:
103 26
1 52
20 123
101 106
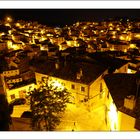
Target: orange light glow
113 116
9 44
57 85
8 19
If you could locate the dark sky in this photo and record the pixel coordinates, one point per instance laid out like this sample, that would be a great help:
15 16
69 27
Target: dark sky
62 17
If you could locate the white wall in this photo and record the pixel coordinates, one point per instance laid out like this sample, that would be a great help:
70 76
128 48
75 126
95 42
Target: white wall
77 93
127 122
11 73
16 92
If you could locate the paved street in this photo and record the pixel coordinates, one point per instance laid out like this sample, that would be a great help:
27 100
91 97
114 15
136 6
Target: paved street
79 119
74 119
20 124
83 121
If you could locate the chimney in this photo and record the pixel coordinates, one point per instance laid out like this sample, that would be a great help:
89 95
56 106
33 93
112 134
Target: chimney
57 65
79 74
130 102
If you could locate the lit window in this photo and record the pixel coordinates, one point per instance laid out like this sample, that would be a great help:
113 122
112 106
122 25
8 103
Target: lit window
72 86
12 96
83 89
22 94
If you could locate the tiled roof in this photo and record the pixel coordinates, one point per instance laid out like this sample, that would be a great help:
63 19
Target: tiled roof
110 62
68 70
121 86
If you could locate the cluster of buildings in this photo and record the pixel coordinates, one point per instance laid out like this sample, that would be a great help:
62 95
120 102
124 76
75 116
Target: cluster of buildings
98 62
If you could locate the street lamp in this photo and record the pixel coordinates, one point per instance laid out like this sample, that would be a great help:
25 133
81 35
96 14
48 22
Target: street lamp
57 85
8 19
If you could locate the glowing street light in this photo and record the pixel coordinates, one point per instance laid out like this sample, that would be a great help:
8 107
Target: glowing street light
113 117
9 19
18 25
57 85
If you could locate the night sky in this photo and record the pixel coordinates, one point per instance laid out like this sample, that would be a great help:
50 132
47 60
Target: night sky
61 17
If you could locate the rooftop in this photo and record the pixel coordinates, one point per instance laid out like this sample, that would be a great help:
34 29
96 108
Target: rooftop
121 86
111 62
68 70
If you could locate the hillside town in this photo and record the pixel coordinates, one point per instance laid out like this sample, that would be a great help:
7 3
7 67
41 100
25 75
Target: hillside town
98 62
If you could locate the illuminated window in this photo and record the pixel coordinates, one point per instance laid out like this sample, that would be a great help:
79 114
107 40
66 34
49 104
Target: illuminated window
83 89
12 96
72 86
22 94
